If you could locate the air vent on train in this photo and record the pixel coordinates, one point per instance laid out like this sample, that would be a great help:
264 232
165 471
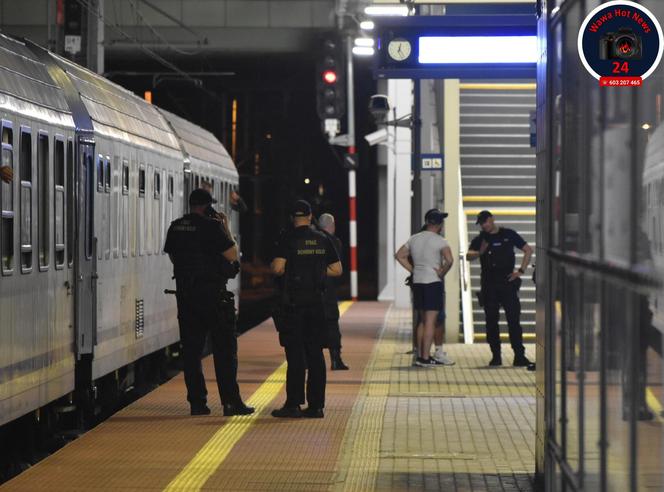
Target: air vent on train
140 318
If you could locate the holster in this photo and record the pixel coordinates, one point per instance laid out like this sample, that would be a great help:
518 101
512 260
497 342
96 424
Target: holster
283 316
227 308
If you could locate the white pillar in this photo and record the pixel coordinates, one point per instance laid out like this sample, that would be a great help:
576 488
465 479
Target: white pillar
400 93
452 163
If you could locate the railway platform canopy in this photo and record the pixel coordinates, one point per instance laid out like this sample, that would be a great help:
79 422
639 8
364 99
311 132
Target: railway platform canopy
388 426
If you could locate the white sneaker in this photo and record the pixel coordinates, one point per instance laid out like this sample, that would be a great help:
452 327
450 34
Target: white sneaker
443 358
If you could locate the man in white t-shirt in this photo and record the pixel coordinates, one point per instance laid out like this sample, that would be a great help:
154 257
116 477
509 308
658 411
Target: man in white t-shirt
428 257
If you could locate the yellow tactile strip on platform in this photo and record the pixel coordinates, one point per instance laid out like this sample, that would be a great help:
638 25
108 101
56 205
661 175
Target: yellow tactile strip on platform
456 428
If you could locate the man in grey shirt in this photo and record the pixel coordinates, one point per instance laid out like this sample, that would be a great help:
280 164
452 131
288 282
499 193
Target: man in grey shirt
428 257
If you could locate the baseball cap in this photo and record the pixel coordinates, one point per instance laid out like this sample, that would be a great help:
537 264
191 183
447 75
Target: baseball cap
301 208
201 197
483 216
434 216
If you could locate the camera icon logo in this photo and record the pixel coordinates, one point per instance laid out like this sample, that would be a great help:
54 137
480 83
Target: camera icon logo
621 45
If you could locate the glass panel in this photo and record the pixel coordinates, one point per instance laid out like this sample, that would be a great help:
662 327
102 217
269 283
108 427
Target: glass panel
618 326
572 326
26 227
6 189
556 133
59 218
44 202
591 361
70 202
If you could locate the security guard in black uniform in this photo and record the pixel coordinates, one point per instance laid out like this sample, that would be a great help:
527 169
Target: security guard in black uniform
304 258
500 283
204 257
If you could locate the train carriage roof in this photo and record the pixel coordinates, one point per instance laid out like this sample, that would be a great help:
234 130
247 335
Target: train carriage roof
119 113
26 79
201 146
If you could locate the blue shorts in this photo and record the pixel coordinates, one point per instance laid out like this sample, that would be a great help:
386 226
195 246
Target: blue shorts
428 297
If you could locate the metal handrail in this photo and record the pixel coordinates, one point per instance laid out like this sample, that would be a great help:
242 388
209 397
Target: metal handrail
466 290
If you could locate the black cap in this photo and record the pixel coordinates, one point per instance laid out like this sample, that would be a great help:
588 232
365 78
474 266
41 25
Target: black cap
483 216
201 197
301 208
434 216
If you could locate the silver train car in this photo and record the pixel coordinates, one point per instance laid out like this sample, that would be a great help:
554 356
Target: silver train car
99 174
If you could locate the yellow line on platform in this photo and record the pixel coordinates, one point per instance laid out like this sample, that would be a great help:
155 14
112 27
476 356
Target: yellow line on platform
507 211
498 87
654 405
481 337
480 198
207 461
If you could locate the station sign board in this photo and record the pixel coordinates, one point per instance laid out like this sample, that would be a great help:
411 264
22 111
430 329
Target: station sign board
464 46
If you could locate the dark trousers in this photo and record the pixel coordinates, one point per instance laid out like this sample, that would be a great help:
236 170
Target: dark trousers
505 294
332 326
201 313
303 340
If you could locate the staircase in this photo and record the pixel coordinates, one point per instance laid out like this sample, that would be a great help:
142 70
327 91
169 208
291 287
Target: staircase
498 174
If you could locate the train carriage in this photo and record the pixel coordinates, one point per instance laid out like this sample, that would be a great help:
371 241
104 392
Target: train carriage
99 176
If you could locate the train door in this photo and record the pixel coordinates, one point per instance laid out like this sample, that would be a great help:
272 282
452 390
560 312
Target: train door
85 252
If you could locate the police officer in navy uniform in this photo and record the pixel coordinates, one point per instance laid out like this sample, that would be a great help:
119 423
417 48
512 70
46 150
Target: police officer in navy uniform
303 260
204 257
500 283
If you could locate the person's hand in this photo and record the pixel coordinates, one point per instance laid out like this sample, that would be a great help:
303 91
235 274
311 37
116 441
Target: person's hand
440 272
6 174
483 247
513 276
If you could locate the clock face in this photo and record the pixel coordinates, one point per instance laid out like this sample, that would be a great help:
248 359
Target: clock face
399 49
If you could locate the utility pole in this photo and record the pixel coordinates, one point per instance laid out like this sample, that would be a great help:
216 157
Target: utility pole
352 202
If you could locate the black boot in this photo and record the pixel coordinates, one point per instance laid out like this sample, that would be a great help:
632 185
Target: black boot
520 360
496 360
238 409
337 363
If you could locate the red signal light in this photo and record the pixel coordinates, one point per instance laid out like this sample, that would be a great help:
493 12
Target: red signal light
329 76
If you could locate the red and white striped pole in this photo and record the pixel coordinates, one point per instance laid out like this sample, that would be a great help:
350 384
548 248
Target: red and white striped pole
352 207
352 191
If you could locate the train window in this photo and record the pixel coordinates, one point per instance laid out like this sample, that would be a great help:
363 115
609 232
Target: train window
88 198
7 203
124 212
156 213
43 192
125 177
107 175
59 192
107 208
70 202
115 206
140 212
171 187
100 173
141 182
25 175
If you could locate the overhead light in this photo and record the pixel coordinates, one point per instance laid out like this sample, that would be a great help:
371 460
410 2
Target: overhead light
646 126
478 49
385 10
367 25
307 181
363 50
365 42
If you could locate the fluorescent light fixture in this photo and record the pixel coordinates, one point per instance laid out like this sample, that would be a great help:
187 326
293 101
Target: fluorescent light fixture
478 49
367 25
363 50
385 10
366 42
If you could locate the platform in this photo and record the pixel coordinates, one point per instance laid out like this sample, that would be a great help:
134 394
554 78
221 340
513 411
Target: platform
388 426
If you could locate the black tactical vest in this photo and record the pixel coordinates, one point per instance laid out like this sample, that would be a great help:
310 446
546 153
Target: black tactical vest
306 265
